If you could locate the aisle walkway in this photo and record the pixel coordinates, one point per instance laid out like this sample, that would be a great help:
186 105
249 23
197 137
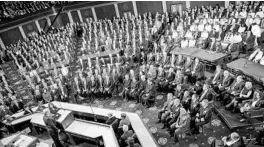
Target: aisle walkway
16 81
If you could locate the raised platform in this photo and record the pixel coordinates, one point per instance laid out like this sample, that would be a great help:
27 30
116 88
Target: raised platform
232 119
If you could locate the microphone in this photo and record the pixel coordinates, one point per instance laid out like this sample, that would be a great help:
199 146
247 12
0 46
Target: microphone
94 115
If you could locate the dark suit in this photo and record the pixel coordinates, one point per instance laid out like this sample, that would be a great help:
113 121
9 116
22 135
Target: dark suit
51 126
110 120
206 114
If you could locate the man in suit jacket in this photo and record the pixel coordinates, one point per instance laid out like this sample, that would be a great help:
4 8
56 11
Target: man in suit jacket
110 119
233 90
204 116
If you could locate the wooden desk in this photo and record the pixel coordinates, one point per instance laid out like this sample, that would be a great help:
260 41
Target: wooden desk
37 118
144 136
25 140
248 68
93 130
199 53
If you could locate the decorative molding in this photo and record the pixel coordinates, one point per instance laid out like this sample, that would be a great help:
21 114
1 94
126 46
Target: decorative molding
94 14
70 17
188 4
2 44
164 6
38 26
116 10
22 32
48 20
80 15
135 8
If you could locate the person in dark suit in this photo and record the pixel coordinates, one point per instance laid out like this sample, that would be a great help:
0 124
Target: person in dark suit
148 95
197 72
259 135
107 86
207 93
52 127
141 88
126 87
110 119
133 88
224 83
232 91
203 117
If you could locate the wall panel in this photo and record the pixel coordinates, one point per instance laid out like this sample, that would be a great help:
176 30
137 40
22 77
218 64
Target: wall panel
11 36
30 28
75 16
206 3
57 23
43 23
125 7
86 13
149 6
169 3
105 12
64 19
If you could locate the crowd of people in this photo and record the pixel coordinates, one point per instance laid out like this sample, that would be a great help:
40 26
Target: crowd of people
15 9
144 65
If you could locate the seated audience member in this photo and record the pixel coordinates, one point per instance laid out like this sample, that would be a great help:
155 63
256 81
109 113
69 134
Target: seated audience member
111 118
248 42
207 93
224 83
257 102
181 126
142 86
108 87
197 72
171 116
126 87
46 96
132 93
218 75
148 94
197 88
169 78
259 135
194 110
16 105
166 107
232 91
233 140
186 100
245 94
203 117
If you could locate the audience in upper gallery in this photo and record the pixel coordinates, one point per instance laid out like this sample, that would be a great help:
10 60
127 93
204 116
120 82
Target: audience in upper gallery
11 10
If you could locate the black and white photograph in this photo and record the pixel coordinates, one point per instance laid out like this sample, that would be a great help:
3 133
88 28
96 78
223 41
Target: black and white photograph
131 73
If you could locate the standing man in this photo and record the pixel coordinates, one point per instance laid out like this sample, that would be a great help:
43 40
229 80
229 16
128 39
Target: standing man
51 126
